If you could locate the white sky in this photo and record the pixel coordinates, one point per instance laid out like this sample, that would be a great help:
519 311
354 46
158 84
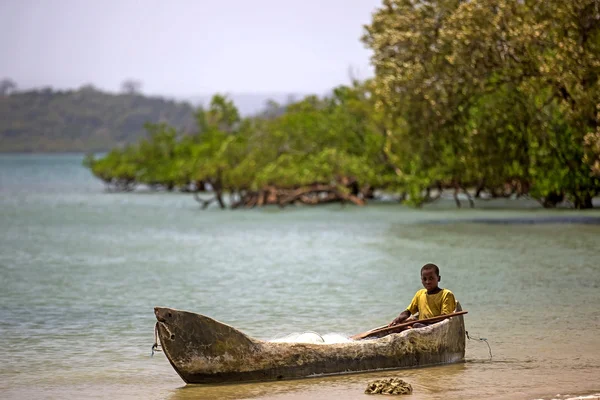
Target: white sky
185 47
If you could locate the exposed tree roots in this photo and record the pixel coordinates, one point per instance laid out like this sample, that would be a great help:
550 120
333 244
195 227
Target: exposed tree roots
310 195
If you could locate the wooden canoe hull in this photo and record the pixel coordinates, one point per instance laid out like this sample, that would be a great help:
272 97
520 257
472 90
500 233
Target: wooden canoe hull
203 350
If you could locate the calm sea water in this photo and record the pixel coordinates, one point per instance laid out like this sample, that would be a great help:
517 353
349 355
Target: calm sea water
82 269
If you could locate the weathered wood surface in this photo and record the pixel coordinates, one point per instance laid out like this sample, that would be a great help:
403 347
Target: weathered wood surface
203 350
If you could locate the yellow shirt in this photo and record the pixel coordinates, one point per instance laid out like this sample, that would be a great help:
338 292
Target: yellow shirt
432 305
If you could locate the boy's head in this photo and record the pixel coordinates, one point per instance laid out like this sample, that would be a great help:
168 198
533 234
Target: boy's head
430 276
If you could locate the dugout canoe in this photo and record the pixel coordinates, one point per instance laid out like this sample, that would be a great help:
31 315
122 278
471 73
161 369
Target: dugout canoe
203 350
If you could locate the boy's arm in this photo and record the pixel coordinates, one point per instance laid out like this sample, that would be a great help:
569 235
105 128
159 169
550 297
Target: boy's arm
400 318
411 309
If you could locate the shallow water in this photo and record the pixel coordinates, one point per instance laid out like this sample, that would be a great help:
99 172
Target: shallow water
81 270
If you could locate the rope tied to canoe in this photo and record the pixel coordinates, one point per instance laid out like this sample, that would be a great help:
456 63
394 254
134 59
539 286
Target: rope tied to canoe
156 347
480 339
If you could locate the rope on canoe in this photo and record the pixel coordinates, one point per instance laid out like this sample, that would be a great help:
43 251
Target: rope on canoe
156 347
480 339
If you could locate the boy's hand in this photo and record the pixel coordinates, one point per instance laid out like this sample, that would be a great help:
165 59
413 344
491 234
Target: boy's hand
400 318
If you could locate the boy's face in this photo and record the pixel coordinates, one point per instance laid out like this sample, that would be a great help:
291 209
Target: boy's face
429 279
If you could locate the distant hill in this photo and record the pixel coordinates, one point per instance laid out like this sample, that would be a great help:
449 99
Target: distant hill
87 119
83 120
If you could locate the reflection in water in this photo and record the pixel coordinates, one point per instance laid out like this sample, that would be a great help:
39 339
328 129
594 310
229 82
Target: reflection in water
425 382
563 219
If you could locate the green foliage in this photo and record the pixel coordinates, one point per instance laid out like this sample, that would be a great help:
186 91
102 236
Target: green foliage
485 97
490 94
316 141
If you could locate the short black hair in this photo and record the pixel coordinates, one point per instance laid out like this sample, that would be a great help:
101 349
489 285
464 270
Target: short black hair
431 266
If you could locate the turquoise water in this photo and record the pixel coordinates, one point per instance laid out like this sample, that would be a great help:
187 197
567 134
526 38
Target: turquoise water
82 269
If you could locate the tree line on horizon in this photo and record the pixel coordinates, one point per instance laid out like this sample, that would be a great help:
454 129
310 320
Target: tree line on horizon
482 98
85 119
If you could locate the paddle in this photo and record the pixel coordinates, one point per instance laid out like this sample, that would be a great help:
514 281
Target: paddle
400 327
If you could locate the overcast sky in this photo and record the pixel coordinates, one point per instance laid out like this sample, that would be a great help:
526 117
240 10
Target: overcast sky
185 47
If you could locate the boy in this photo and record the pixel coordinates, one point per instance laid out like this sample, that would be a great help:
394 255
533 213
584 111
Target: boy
429 302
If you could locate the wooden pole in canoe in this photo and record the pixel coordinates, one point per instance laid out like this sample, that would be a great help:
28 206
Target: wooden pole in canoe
400 327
